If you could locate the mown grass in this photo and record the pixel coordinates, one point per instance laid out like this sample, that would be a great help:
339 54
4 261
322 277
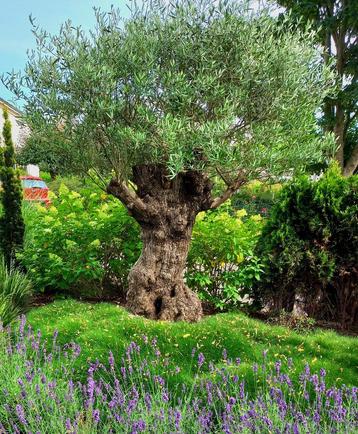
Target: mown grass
99 328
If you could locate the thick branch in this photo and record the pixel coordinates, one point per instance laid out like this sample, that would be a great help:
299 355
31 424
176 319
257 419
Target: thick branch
130 199
227 193
352 163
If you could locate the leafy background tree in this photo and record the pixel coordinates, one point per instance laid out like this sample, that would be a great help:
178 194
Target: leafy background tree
162 105
11 221
48 151
336 22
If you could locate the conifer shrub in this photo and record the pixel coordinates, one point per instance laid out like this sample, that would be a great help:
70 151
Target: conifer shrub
310 249
11 221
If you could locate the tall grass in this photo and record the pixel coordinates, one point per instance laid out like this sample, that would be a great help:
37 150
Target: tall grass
15 293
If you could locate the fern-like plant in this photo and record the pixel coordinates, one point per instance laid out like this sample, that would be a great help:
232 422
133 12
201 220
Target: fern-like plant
15 293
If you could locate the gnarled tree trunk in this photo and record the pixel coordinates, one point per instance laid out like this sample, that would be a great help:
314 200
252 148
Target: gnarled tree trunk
156 286
166 210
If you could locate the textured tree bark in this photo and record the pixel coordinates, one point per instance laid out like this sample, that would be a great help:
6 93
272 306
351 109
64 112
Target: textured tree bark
166 210
156 286
339 133
352 164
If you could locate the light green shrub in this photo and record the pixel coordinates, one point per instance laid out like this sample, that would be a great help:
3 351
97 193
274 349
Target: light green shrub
222 265
78 241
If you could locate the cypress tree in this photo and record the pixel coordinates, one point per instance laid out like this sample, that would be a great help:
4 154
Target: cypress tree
11 220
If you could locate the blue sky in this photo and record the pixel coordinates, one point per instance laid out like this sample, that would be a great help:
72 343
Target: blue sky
15 28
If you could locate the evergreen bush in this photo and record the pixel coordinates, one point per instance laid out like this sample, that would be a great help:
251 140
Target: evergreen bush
310 249
11 221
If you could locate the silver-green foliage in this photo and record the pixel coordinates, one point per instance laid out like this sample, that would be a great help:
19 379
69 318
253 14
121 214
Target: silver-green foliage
15 292
191 85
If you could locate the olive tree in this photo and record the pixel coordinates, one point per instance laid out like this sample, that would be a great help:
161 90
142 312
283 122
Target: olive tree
164 104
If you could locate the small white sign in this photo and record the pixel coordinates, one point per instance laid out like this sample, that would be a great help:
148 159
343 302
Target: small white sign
33 170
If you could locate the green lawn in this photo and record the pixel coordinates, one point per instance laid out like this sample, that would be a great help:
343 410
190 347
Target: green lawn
102 327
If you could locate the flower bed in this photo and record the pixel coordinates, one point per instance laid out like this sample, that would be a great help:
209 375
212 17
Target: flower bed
130 393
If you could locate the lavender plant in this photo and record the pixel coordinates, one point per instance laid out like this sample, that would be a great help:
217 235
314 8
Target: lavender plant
38 393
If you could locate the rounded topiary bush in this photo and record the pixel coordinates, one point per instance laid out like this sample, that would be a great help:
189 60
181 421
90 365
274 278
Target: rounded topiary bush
310 249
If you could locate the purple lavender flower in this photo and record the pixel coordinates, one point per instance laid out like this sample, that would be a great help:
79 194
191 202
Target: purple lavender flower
208 405
148 401
165 396
21 414
224 354
76 351
138 426
177 416
295 429
96 416
316 417
111 360
68 424
201 360
22 326
242 390
158 379
307 369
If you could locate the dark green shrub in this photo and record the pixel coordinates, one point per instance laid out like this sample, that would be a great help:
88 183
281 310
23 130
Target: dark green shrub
48 150
310 247
15 292
11 221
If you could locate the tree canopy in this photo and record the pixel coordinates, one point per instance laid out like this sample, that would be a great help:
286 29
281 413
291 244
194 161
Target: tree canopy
190 86
336 23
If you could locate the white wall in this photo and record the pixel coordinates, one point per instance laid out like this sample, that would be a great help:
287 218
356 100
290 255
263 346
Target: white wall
19 131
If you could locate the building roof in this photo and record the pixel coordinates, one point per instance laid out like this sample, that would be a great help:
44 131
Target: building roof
10 106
